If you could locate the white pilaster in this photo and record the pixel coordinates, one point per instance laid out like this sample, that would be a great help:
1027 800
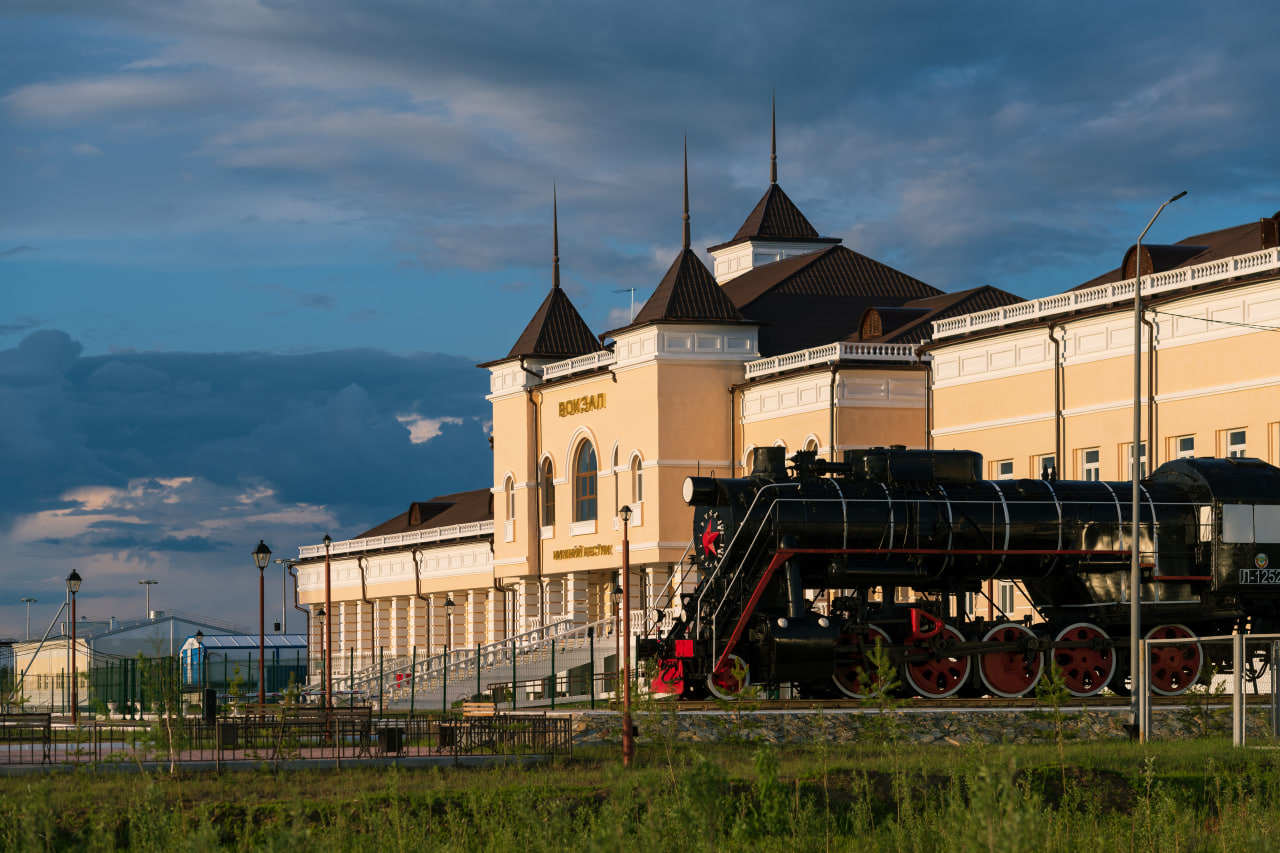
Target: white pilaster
575 598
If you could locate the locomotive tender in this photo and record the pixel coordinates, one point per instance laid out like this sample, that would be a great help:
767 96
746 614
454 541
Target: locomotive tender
860 533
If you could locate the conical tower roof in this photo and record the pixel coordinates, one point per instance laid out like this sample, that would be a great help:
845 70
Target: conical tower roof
557 330
688 292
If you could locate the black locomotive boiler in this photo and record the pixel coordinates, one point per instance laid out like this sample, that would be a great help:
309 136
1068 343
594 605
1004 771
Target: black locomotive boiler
805 568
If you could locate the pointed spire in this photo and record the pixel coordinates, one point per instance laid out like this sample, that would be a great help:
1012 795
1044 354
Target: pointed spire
555 241
773 143
686 193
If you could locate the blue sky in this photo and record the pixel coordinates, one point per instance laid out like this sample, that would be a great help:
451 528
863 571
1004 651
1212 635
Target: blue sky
251 251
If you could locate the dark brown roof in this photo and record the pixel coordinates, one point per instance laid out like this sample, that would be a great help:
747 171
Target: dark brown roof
556 331
776 217
910 323
1198 249
814 299
688 292
441 511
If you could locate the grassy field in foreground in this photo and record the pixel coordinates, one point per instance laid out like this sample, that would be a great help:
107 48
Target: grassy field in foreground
1191 795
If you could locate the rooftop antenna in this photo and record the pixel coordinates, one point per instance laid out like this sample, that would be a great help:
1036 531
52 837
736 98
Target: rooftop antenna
632 291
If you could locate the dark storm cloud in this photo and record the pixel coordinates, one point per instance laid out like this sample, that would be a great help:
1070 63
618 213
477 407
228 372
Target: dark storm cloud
964 145
317 429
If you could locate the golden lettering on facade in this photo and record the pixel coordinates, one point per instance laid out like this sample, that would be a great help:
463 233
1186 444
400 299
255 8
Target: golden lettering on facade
581 405
580 551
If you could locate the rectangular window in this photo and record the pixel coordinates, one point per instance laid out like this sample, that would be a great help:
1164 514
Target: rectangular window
1235 443
970 604
1184 447
1142 461
1006 597
1045 464
1004 469
1091 464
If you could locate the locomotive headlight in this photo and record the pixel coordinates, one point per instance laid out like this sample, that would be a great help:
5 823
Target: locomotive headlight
699 490
782 622
824 622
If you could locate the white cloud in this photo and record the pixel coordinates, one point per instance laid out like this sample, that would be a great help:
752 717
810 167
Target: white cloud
422 429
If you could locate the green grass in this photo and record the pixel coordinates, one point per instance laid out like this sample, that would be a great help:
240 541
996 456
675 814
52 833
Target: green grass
1190 795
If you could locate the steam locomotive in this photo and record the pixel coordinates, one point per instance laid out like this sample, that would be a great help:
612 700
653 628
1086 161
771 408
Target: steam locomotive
824 576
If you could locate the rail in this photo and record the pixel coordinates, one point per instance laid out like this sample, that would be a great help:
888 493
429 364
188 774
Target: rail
1106 294
830 353
392 540
580 364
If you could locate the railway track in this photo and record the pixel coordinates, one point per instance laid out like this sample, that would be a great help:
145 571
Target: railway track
952 704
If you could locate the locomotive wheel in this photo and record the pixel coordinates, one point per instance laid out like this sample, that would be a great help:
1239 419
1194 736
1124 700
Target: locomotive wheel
1010 674
1174 669
853 673
730 680
1085 670
941 675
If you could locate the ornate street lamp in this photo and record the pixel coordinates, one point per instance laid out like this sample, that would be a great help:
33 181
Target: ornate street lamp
73 586
615 595
449 607
628 740
261 556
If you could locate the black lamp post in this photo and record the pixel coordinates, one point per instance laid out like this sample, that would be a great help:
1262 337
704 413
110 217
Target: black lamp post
615 595
628 741
261 556
328 630
319 614
449 607
73 586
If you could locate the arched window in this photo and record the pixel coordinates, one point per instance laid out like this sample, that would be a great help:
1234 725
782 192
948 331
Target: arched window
637 481
811 445
548 485
584 483
509 492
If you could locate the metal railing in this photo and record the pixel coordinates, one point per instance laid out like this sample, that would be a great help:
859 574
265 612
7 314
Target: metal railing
1106 294
341 735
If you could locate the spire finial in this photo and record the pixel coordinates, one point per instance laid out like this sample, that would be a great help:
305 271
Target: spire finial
773 142
686 192
555 241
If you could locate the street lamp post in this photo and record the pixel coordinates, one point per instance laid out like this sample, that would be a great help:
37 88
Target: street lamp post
73 586
261 556
284 595
448 638
628 740
147 586
28 602
204 666
616 595
328 630
319 614
1139 698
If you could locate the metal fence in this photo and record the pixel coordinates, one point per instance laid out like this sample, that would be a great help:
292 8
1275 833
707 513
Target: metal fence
33 739
1225 683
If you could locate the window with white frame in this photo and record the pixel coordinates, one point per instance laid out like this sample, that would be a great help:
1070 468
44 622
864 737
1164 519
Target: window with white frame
1184 447
970 604
1142 461
637 481
1004 469
548 483
584 483
1235 443
509 491
1046 462
1006 602
1091 464
811 446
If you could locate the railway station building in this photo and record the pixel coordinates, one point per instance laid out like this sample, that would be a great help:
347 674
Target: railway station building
790 339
